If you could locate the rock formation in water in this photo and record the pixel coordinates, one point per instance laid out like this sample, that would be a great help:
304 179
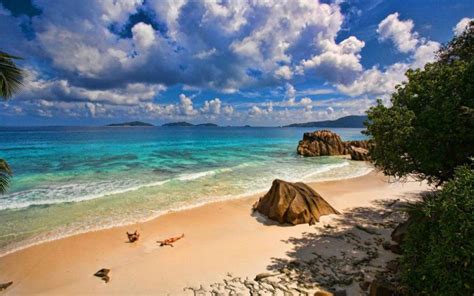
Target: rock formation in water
324 142
293 203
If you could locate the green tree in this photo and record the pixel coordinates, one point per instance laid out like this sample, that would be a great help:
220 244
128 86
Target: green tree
438 249
428 129
11 77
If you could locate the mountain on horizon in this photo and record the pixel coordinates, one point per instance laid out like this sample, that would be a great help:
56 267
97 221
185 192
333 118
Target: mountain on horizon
184 124
131 123
351 121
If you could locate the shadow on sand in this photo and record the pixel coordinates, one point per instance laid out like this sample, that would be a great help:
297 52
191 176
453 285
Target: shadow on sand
345 249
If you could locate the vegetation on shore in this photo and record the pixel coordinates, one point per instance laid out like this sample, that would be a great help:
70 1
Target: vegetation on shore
438 248
428 133
11 77
428 130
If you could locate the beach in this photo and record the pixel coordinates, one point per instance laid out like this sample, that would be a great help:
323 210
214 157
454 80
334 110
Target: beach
222 240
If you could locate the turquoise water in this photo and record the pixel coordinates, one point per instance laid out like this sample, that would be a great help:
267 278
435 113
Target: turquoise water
74 179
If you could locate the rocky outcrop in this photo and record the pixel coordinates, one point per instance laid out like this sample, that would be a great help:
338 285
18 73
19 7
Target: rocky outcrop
293 203
359 153
321 143
399 233
324 142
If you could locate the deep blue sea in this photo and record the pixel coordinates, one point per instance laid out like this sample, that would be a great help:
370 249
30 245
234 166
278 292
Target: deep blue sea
69 180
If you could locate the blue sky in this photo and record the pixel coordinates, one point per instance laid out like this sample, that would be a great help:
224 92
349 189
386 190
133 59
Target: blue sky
230 62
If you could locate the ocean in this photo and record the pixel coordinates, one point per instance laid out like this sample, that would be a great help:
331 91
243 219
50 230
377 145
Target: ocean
69 180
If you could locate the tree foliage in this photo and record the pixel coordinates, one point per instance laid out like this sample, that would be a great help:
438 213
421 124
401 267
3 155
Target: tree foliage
11 75
5 174
439 247
428 129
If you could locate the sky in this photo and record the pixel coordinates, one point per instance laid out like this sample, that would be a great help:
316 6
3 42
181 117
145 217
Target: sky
259 62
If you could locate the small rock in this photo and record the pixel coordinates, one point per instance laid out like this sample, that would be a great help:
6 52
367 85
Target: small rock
364 285
395 248
393 265
323 293
380 287
398 234
386 245
340 293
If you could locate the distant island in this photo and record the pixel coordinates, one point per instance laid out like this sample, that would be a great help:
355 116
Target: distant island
131 123
354 121
187 124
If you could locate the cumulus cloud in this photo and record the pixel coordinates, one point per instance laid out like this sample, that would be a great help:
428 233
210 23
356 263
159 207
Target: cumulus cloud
97 61
306 101
290 94
185 106
206 43
378 81
284 72
400 32
143 35
339 62
461 25
212 107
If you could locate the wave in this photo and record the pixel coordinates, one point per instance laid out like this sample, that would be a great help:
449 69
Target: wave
324 169
45 196
28 198
79 192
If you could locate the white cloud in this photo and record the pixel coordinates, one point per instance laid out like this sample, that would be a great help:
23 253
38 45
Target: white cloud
339 63
205 54
284 72
143 35
185 106
424 54
461 25
212 107
290 94
378 81
400 32
228 110
306 101
62 90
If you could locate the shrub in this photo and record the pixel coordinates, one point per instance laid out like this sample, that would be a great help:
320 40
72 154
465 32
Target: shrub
439 245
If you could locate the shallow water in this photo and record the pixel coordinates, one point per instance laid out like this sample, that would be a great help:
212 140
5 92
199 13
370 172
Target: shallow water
74 179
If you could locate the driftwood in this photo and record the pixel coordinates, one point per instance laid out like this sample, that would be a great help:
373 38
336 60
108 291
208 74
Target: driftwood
103 274
170 241
5 286
264 275
133 237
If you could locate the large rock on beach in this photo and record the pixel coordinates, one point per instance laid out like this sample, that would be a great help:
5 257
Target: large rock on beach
293 203
320 143
327 143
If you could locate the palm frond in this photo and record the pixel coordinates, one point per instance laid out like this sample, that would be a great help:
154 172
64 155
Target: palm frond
11 76
5 174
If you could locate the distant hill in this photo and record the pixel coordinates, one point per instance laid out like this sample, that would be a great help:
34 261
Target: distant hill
183 123
208 124
132 123
356 121
179 123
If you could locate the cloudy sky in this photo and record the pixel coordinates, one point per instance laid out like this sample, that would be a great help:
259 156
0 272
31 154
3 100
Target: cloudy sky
239 62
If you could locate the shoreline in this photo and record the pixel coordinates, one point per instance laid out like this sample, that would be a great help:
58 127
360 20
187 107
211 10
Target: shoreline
220 237
179 207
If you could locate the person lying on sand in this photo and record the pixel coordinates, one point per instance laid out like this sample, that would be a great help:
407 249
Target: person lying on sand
170 241
133 237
